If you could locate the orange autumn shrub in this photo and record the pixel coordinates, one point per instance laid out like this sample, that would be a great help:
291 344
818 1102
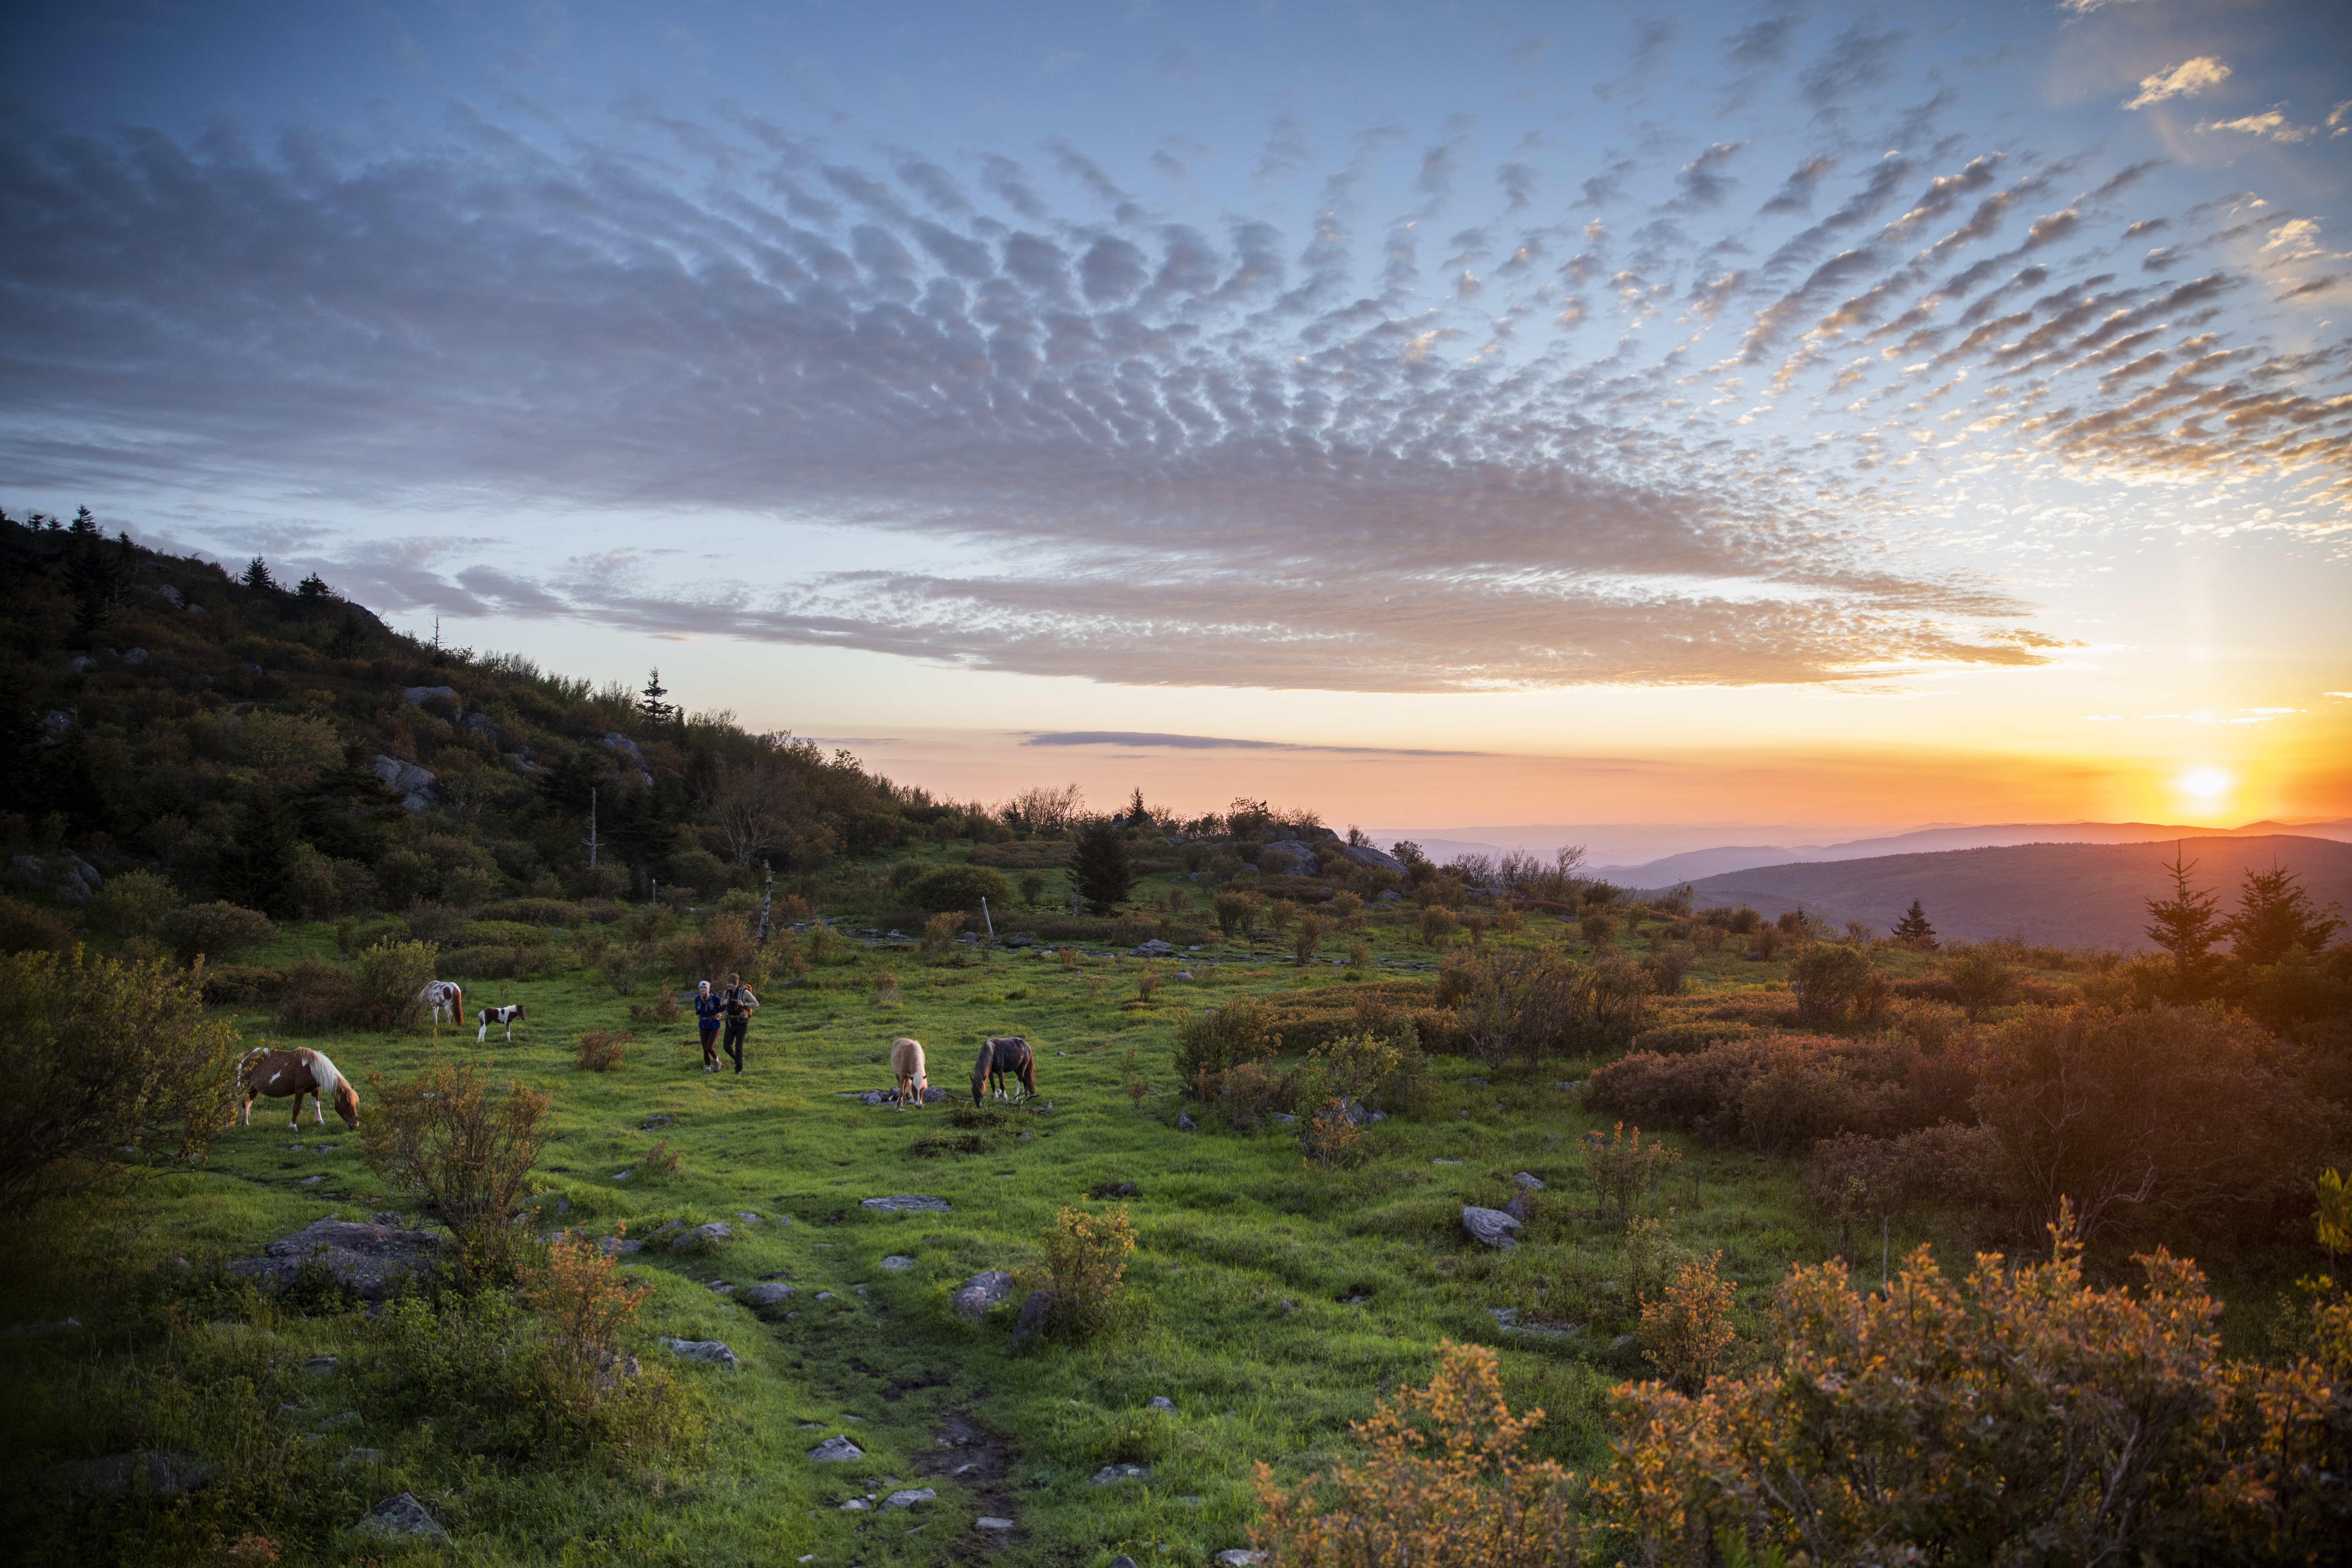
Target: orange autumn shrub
1447 1485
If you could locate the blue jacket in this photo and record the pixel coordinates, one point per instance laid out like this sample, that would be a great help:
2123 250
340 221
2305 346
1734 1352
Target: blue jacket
706 1008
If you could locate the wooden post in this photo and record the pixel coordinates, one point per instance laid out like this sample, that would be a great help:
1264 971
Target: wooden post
590 839
767 894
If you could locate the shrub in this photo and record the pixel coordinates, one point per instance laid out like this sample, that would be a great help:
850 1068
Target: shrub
32 928
1447 1483
1624 1169
958 889
242 984
219 930
886 988
1598 929
1828 1086
1280 913
1685 1331
1438 925
442 1135
1249 1092
722 947
1310 937
1854 1180
939 933
2191 1113
1979 979
1221 1038
1237 913
535 912
133 903
2018 1416
390 975
430 922
1085 1258
315 997
1666 965
1681 1039
1766 942
585 1307
1825 978
601 1050
1801 1097
112 1069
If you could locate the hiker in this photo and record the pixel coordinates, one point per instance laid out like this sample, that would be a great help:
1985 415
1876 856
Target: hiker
739 1005
705 1019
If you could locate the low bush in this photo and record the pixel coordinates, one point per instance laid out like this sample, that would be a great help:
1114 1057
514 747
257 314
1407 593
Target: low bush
1221 1038
112 1070
219 930
243 985
534 913
2018 1416
1684 1039
722 947
959 889
1624 1169
315 997
495 963
1856 1182
32 928
1811 1086
1686 1329
133 902
502 934
601 1050
1446 1482
1086 1259
443 1137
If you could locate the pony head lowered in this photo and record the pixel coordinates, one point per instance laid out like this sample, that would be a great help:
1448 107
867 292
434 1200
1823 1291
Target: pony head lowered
332 1083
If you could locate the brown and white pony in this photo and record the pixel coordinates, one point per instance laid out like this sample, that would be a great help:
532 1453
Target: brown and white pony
443 996
907 1067
297 1072
506 1017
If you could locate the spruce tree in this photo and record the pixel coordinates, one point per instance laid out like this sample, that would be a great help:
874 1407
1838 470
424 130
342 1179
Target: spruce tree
1913 929
2186 925
1099 871
651 705
2274 913
256 575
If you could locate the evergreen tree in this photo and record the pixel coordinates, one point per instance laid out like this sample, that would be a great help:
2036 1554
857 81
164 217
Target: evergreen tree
314 587
651 705
2274 913
256 575
1913 929
95 576
2186 925
1137 812
1099 870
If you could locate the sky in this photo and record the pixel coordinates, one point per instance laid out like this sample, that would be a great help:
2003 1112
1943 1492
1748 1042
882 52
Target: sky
1825 418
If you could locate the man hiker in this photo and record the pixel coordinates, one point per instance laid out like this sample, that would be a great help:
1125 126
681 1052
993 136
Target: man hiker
737 1003
707 1007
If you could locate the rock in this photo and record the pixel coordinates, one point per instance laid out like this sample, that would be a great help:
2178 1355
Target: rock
835 1450
1155 948
1160 1402
909 1497
412 784
1184 1123
712 1351
906 1202
702 1237
1110 1475
855 1505
402 1516
135 658
152 1472
984 1523
1283 1117
320 1366
1123 1561
1474 1083
650 1122
1528 1182
434 697
898 1263
1492 1227
162 593
766 1300
1287 857
1033 1314
746 1216
1622 1342
370 1260
628 748
1239 1557
1519 1208
1356 1113
1365 854
979 1293
1391 897
1446 1162
615 1243
80 664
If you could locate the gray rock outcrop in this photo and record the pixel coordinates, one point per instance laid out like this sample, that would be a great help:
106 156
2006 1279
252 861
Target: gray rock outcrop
370 1260
412 784
835 1451
906 1202
403 1516
715 1352
982 1291
768 1300
1493 1226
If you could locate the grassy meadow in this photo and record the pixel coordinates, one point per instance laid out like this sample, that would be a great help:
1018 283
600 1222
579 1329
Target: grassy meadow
1271 1302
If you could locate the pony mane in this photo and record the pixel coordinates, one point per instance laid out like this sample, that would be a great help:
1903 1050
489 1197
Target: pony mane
324 1073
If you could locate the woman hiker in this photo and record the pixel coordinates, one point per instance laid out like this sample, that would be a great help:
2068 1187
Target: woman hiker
739 1005
705 1019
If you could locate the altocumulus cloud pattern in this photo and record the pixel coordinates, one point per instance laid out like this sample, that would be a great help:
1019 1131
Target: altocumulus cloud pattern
1665 415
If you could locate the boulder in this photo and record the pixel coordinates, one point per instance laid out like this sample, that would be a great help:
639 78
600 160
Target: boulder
715 1352
835 1451
1492 1227
435 698
982 1291
1365 854
985 1522
702 1237
403 1516
1519 1208
1160 1402
412 784
767 1300
1239 1557
135 658
1155 948
906 1202
370 1260
1287 857
151 1472
1033 1314
909 1497
855 1505
1528 1183
898 1263
1184 1123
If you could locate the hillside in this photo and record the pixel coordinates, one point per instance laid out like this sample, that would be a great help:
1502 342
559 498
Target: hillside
2074 895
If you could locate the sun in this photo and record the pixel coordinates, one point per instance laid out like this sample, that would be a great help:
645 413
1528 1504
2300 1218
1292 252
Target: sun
2206 785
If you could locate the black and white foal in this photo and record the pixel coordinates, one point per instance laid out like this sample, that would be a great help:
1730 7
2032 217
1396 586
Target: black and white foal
505 1017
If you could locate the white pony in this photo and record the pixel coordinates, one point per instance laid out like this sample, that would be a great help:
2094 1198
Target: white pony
443 996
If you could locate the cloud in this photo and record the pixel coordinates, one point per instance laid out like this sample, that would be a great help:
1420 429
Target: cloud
2187 80
2084 7
1140 738
2272 124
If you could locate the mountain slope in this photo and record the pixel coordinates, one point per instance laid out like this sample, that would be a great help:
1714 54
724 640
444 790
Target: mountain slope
2075 895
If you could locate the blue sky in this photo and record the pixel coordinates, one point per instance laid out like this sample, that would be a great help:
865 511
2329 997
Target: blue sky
1544 381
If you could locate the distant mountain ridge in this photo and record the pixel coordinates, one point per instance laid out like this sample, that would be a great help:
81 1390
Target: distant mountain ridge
2074 895
1702 863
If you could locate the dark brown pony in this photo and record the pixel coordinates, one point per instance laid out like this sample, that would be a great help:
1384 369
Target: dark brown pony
1000 1054
297 1072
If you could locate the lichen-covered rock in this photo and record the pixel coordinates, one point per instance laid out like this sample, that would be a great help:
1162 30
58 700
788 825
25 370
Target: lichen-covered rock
835 1451
402 1516
1493 1226
982 1292
767 1300
370 1260
715 1352
906 1202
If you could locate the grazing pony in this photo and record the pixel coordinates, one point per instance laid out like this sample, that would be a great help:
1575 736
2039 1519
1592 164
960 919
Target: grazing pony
506 1017
297 1072
907 1067
1000 1054
443 996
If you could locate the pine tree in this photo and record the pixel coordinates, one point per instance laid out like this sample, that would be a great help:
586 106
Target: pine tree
1137 812
313 587
95 576
2186 925
256 575
2274 913
1099 871
1913 929
652 706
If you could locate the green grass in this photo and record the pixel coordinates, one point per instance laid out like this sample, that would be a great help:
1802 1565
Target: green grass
1271 1303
